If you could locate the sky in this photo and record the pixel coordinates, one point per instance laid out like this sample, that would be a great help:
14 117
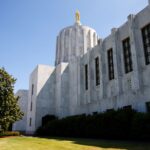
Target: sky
28 29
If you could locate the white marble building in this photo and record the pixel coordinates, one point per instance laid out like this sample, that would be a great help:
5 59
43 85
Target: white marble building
23 101
94 75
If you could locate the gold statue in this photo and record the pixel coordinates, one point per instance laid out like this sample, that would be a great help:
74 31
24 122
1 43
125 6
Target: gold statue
77 16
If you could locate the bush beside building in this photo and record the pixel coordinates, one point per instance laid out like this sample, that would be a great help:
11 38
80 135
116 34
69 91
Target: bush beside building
120 124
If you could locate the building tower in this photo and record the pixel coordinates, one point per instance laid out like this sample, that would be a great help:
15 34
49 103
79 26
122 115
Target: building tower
74 41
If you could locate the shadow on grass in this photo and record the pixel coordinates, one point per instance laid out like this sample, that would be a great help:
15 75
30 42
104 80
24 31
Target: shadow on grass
128 145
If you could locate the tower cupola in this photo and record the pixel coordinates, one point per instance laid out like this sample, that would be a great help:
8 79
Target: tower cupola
74 41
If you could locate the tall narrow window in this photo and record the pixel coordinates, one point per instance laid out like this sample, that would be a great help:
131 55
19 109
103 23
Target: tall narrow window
146 43
30 122
129 107
127 55
148 106
31 107
97 71
32 89
110 64
86 77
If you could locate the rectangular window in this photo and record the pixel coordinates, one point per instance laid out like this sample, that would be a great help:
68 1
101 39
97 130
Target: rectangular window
95 113
127 55
146 43
148 106
30 122
129 107
97 71
110 64
110 110
31 107
86 77
32 89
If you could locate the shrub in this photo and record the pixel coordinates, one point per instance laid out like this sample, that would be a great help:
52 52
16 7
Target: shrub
141 126
47 119
9 133
119 124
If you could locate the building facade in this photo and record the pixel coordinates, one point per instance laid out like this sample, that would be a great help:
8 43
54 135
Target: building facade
23 103
92 74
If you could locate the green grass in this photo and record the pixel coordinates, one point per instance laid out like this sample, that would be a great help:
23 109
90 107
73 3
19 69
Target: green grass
33 143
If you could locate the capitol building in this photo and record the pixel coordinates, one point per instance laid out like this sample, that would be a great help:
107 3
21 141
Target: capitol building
91 74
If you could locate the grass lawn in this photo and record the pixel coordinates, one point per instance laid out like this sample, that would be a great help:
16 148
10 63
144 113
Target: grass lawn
33 143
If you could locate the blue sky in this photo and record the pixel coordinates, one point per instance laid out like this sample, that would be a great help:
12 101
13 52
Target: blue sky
28 28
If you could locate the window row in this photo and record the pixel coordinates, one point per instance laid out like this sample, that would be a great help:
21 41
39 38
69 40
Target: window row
147 105
127 64
146 43
127 56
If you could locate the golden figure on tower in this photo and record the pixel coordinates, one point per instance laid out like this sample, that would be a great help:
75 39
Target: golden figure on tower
77 16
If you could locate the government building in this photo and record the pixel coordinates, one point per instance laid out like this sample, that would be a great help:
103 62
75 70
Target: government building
91 74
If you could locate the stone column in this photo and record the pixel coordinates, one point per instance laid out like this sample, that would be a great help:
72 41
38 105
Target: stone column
58 59
85 41
57 52
77 41
116 56
88 40
95 38
62 47
91 39
69 46
134 50
103 69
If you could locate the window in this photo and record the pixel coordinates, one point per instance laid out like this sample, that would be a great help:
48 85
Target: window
148 106
31 107
146 43
110 110
97 71
129 107
86 77
95 113
30 122
127 55
32 89
110 64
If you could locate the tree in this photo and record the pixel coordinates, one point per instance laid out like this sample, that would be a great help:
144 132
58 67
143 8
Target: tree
9 109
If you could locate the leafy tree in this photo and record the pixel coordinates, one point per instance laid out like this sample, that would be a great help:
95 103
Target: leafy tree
9 109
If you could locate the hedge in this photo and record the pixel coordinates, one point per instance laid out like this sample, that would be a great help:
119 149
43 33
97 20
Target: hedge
119 124
9 133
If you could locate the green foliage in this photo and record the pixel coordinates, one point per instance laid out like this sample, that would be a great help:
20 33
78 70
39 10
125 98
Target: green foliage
47 119
141 126
8 133
9 109
120 124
